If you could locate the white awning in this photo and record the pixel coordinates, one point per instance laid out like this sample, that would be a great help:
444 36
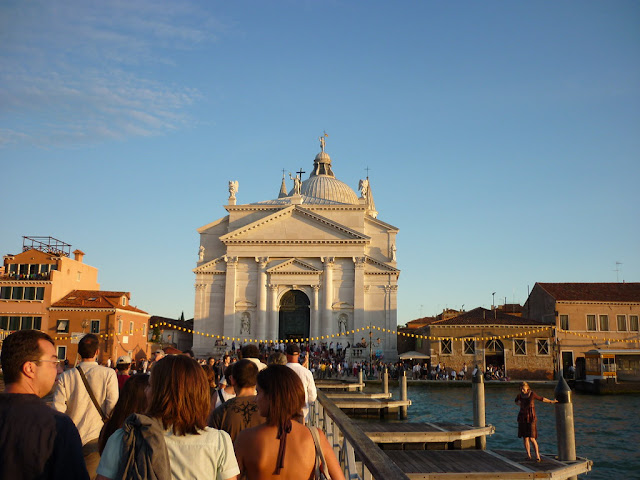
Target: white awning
413 354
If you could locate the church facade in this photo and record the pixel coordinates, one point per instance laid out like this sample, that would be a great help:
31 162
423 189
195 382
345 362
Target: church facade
316 261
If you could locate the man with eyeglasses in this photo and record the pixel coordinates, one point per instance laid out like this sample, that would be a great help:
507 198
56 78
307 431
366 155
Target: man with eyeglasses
35 440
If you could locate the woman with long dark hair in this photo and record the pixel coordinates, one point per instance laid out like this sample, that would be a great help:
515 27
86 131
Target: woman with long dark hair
283 448
132 399
172 440
527 419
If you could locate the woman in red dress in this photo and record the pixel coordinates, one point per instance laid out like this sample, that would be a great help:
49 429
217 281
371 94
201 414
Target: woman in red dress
527 420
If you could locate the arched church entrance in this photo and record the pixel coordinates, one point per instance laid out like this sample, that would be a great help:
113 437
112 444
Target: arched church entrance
295 315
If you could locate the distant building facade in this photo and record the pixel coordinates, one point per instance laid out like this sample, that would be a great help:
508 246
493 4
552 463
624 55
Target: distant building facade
122 327
36 278
177 334
489 338
316 261
589 316
43 288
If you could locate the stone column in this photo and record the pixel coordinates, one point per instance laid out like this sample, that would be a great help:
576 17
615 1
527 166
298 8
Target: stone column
325 327
261 331
390 315
272 330
200 323
314 331
358 292
230 296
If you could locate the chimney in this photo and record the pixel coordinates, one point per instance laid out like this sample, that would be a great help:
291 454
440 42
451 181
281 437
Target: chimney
77 255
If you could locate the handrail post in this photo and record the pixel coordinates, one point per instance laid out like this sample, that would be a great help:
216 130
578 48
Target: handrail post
478 407
360 379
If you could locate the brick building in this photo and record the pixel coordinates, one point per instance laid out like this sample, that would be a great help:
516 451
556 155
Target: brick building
122 328
490 337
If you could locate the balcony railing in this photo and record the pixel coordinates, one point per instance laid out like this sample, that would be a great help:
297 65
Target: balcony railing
25 276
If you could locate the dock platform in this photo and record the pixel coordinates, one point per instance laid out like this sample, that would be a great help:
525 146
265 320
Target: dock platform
360 404
424 436
339 385
346 395
483 465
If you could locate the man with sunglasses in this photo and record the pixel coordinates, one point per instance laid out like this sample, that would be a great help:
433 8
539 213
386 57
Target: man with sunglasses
35 440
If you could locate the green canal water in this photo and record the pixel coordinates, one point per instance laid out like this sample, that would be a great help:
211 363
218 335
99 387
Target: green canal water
607 426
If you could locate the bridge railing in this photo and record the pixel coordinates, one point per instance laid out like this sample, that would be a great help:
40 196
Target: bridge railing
359 456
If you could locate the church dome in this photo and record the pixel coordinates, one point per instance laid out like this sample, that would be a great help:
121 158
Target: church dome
322 185
329 188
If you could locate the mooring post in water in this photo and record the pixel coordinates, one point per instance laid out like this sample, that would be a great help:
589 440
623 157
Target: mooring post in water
385 380
564 423
403 394
478 407
360 379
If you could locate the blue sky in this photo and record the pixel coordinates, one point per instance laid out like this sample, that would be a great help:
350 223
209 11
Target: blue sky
502 137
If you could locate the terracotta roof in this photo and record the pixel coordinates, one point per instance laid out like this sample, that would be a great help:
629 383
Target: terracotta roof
593 292
96 299
482 316
421 322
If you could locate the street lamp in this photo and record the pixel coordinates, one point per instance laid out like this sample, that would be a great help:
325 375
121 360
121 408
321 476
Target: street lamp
493 299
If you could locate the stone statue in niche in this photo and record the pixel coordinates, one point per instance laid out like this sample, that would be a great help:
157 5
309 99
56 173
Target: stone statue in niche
393 252
245 324
342 323
201 254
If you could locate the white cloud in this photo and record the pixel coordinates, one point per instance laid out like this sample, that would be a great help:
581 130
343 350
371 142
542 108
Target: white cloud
88 69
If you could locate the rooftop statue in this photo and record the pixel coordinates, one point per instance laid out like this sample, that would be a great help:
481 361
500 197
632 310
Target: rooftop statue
233 188
322 141
363 186
297 184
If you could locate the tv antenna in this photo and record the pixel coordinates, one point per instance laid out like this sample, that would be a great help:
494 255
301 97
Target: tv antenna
617 270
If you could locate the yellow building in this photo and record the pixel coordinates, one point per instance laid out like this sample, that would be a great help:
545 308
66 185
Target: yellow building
590 316
36 278
43 288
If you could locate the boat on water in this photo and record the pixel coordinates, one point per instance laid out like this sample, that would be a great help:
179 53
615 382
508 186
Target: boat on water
609 372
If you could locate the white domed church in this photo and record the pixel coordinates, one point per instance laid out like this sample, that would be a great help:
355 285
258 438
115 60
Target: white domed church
313 262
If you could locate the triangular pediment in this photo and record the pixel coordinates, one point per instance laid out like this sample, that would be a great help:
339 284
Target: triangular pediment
217 265
294 225
373 267
294 266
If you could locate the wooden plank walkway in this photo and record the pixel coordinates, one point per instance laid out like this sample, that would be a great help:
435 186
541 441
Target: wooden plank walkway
482 465
441 432
338 385
382 405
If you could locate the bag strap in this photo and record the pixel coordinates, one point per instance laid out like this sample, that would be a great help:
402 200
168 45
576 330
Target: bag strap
93 397
321 464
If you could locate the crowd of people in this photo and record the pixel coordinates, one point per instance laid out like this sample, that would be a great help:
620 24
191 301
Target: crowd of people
172 418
